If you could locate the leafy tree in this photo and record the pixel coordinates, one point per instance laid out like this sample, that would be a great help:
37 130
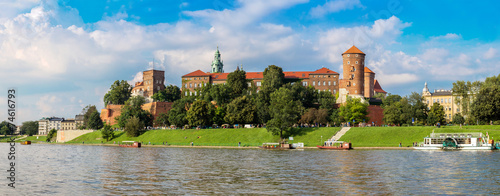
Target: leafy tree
392 114
107 133
327 101
419 108
51 135
458 119
284 112
437 112
134 126
237 82
391 99
380 96
355 110
313 116
30 128
241 111
406 111
162 120
87 112
335 118
133 107
465 94
199 113
7 128
177 114
486 107
306 95
218 115
118 93
273 79
169 94
95 121
221 94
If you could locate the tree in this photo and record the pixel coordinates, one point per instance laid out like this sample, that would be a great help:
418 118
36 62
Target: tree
86 112
95 121
240 111
419 108
30 128
199 113
327 101
392 114
134 127
221 94
458 119
118 93
237 82
107 133
335 118
391 99
284 112
273 79
354 111
406 111
133 107
218 115
486 107
51 135
315 116
169 94
162 120
7 128
306 95
177 114
465 94
437 112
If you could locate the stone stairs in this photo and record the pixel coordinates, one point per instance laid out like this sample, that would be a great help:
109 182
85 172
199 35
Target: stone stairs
340 133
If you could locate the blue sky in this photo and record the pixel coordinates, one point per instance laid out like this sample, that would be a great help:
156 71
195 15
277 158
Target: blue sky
63 55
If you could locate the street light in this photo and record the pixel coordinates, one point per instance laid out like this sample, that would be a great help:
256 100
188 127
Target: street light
321 139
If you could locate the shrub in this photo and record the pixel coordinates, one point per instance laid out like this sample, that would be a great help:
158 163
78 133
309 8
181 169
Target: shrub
134 127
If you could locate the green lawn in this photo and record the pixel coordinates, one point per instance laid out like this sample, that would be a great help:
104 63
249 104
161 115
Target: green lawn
7 138
215 137
391 136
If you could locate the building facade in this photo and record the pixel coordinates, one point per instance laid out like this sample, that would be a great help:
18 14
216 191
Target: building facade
47 124
152 82
445 98
68 124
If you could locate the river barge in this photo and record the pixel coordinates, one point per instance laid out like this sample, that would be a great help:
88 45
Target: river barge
26 143
336 145
456 141
130 144
278 146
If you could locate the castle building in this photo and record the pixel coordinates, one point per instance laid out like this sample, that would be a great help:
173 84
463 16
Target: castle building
359 80
443 97
152 82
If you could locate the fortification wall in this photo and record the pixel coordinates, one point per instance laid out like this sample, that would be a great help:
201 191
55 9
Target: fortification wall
68 135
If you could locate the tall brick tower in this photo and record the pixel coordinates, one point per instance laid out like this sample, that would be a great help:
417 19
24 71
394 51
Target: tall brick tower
153 82
353 73
369 83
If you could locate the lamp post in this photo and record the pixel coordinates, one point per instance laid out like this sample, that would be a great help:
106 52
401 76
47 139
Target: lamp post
321 140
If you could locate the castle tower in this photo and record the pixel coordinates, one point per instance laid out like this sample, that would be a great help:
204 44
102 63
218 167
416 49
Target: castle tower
153 81
217 64
353 73
369 83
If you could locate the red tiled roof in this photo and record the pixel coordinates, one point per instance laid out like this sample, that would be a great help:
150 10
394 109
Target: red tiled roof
368 70
377 88
196 73
219 76
353 50
324 70
297 74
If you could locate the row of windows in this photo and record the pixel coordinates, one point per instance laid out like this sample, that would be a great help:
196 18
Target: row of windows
199 78
324 76
349 62
196 85
319 83
348 55
445 100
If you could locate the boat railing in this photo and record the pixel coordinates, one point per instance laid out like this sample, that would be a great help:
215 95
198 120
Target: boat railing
456 135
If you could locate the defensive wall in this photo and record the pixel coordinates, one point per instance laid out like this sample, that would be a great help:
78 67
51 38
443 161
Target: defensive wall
68 135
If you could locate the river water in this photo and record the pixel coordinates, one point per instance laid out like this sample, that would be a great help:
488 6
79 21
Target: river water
105 170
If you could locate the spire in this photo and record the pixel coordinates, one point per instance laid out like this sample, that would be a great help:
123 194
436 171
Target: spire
217 63
237 68
425 88
353 50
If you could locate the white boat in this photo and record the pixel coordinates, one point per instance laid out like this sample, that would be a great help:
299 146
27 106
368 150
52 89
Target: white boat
456 141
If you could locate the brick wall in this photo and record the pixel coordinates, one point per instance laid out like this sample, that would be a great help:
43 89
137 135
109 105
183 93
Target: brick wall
375 113
109 113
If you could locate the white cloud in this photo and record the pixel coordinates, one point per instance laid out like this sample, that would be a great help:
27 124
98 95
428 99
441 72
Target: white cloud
491 53
448 36
334 6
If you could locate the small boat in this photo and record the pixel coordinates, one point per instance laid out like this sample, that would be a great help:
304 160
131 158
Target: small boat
336 145
278 146
130 144
26 143
456 141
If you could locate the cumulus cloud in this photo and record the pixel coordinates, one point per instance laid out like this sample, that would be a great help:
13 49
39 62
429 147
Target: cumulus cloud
491 53
448 36
334 6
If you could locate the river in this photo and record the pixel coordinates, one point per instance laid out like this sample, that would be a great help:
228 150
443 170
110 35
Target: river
105 170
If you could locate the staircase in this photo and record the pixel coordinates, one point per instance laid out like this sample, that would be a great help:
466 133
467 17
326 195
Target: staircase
340 133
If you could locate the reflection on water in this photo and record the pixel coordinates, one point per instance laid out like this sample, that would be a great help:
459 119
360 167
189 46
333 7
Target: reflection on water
104 170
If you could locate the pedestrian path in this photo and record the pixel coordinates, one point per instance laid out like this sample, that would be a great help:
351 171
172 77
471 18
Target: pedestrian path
21 138
340 133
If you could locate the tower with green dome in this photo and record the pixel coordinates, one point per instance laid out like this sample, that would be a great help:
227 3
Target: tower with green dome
217 64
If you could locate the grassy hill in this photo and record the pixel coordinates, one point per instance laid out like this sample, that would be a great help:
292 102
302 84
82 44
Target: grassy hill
214 137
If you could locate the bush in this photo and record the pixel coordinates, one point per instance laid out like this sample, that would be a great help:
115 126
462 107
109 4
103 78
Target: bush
134 127
50 136
107 133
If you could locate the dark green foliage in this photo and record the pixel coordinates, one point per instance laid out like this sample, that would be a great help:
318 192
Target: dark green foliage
177 115
87 111
219 114
401 110
7 128
240 111
458 119
315 116
273 79
170 94
335 118
199 114
134 127
95 121
237 82
29 128
419 108
486 107
354 110
436 114
391 99
284 112
133 107
51 136
118 93
306 95
107 133
162 120
326 101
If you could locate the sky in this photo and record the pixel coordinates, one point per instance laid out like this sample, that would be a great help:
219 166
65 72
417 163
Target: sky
63 55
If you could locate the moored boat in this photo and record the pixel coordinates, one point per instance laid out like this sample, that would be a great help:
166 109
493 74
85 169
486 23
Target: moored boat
336 145
456 141
130 144
277 146
26 142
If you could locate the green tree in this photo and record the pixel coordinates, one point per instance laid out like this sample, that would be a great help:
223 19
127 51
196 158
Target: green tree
30 128
162 120
354 111
391 99
95 121
237 82
107 133
51 135
177 114
273 79
133 107
169 94
118 93
309 116
221 94
392 114
437 112
134 127
7 128
87 112
406 111
326 101
335 118
419 108
284 111
464 96
199 113
219 114
486 107
240 111
306 95
458 119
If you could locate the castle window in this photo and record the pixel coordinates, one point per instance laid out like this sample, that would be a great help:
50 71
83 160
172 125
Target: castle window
356 55
148 88
334 91
329 83
354 84
314 83
324 76
186 93
348 55
356 62
185 85
314 76
324 83
190 85
195 79
258 83
304 83
348 62
158 87
194 93
190 93
334 83
356 91
319 83
441 100
449 100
